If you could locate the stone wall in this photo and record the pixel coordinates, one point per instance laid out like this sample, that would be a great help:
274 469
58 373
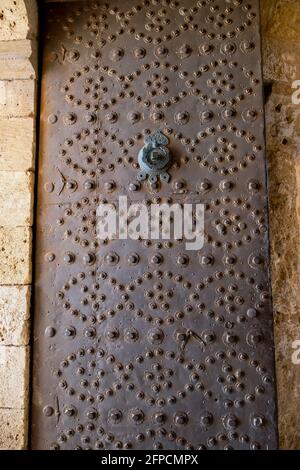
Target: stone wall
18 65
281 49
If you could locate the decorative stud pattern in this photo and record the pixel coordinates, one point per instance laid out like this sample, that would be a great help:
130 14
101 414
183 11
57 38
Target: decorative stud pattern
142 344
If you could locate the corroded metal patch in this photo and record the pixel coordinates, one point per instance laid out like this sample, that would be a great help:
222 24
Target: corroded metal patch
134 348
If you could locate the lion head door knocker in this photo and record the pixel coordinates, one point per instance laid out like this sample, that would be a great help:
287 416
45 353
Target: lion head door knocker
154 158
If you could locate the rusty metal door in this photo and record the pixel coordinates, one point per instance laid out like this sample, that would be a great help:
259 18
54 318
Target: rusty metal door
142 344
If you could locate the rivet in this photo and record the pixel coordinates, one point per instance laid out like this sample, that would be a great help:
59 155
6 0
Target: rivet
50 257
50 331
48 411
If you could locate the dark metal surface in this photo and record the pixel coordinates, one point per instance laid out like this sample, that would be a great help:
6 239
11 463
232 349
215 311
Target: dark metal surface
158 353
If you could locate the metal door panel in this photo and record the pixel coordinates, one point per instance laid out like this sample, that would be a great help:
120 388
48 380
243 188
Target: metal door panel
173 351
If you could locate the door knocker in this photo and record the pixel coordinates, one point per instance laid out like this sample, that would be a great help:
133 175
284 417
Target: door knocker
154 158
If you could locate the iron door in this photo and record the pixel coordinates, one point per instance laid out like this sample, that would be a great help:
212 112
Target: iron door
143 344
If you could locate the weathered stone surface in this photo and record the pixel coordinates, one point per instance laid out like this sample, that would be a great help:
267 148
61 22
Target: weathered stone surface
17 98
16 198
14 375
298 186
18 19
15 255
14 315
281 45
18 59
13 429
17 144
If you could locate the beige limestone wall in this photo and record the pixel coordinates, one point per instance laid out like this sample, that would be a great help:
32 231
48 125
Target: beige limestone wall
281 49
18 65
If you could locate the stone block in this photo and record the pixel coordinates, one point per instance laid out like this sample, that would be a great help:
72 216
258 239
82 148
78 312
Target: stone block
281 62
17 98
18 59
283 20
13 429
16 198
14 376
